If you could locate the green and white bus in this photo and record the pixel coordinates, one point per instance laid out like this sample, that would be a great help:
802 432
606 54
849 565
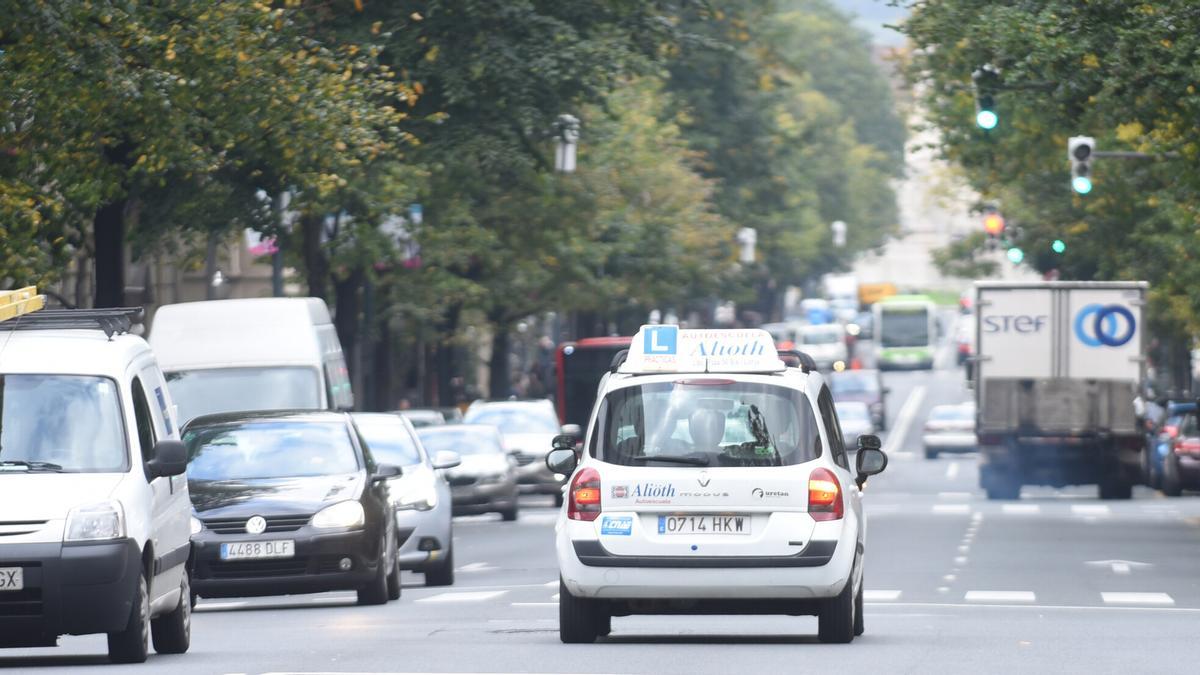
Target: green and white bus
906 331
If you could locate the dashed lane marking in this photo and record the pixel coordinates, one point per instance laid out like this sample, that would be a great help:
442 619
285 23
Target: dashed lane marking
1000 596
904 420
1161 599
952 471
473 567
1091 509
1022 509
955 496
959 509
880 596
469 596
217 606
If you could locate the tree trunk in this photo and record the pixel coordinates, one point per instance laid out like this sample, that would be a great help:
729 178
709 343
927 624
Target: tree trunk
499 379
445 356
316 265
346 320
109 232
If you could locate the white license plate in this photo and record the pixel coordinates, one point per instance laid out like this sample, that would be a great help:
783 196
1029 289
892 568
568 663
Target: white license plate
258 550
12 578
707 524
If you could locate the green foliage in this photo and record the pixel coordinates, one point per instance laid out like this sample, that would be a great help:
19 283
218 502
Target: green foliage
1123 72
962 258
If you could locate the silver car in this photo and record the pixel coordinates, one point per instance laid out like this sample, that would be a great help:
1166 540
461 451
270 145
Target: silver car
486 481
855 417
950 428
421 496
528 428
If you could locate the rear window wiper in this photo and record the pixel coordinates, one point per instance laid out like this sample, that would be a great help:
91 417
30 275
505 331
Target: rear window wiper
671 459
31 466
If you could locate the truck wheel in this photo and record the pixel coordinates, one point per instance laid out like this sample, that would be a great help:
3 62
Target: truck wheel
931 453
132 645
578 618
1171 485
1115 489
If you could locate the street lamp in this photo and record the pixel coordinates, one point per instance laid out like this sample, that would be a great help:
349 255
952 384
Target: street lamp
567 136
839 233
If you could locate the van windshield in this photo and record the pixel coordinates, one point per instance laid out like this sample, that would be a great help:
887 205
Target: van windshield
218 390
706 423
68 423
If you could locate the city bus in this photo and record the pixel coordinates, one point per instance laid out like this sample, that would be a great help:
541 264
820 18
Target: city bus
906 332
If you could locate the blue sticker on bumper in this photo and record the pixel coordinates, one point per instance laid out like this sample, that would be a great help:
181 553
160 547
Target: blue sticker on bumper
621 525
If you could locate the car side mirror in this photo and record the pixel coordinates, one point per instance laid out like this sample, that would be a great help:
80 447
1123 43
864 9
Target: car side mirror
386 471
170 459
446 459
870 458
564 442
572 430
562 460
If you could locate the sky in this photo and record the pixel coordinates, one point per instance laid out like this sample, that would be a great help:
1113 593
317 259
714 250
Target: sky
872 15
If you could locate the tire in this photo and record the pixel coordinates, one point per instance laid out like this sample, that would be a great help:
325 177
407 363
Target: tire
858 609
603 623
578 618
172 632
393 579
930 453
558 499
441 573
376 591
510 514
835 624
1171 485
1112 489
1001 485
132 645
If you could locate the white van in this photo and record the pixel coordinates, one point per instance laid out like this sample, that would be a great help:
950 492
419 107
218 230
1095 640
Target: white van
251 354
94 508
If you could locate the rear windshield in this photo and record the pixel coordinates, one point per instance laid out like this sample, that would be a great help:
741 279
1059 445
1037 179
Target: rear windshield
461 439
283 449
853 383
706 423
218 390
514 420
827 336
852 411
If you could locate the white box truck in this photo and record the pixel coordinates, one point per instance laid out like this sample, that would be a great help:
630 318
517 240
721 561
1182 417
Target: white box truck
1057 368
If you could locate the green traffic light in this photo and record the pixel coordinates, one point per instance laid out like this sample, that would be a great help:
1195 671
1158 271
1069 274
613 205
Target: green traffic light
1059 246
1082 184
1016 255
986 119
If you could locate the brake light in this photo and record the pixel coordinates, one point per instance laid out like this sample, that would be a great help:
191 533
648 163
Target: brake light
1171 431
824 495
584 497
1186 446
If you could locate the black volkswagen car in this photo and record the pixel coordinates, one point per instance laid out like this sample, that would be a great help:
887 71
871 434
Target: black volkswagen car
289 502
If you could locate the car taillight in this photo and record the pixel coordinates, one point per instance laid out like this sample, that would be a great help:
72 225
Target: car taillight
824 495
1171 431
1186 446
584 496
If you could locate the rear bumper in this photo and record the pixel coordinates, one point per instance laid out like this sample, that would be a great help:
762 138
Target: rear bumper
961 442
314 568
72 589
1189 471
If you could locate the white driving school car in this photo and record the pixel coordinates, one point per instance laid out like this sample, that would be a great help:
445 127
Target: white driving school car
713 480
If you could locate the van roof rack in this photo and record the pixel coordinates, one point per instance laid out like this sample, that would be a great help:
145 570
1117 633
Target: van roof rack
113 321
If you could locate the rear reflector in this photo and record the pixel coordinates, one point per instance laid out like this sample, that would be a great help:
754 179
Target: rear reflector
824 495
583 499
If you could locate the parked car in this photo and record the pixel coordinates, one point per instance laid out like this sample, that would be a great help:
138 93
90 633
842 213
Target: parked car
251 354
92 493
825 343
855 418
421 496
527 429
865 386
424 417
1181 465
1163 422
486 480
950 428
289 502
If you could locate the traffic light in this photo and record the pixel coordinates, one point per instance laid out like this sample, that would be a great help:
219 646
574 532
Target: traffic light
987 82
1079 153
1058 246
1016 255
993 224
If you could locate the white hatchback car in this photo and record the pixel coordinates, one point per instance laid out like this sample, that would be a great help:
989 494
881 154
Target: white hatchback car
714 480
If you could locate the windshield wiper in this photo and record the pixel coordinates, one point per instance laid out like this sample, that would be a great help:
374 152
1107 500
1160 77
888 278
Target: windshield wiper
672 459
32 466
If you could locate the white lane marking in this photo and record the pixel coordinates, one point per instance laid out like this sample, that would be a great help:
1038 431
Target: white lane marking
1090 509
1137 599
960 509
550 584
977 516
880 596
554 597
1000 596
904 420
473 567
1119 566
214 606
469 596
1039 608
535 604
1022 509
539 518
960 560
964 549
955 496
952 471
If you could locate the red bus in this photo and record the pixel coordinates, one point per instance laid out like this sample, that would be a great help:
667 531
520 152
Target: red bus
580 366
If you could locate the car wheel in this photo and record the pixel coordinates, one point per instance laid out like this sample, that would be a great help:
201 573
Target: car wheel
858 609
1171 485
393 578
132 645
603 622
441 573
578 620
376 591
172 632
510 514
1115 489
558 499
930 453
835 624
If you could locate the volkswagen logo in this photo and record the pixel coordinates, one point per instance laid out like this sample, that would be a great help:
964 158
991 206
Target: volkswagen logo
256 525
1104 325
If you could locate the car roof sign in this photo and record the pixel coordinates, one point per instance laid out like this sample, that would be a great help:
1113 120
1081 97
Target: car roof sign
670 349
